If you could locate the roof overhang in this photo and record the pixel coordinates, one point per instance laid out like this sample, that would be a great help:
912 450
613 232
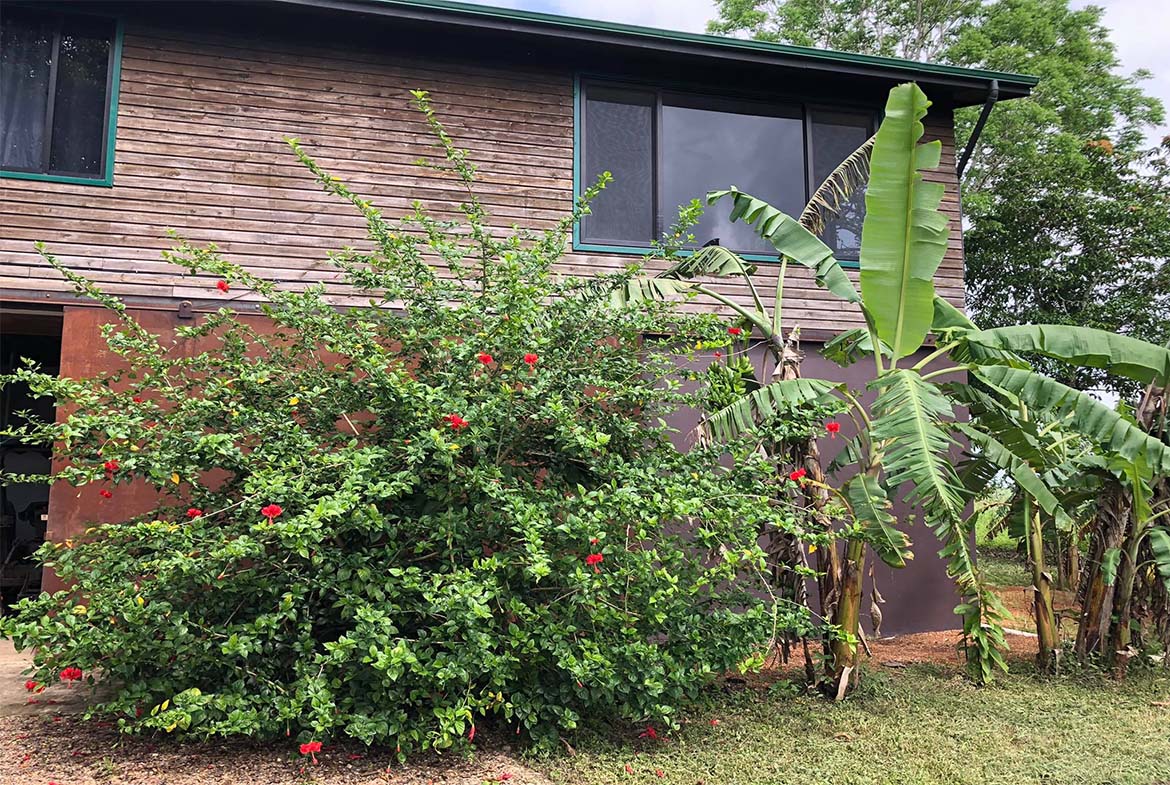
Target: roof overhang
962 86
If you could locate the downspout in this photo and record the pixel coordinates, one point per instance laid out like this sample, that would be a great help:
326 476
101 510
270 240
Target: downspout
992 97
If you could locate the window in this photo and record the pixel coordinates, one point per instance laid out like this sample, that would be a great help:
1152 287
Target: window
57 84
665 148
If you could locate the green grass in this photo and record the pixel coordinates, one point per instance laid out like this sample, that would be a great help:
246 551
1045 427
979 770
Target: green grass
921 727
1003 567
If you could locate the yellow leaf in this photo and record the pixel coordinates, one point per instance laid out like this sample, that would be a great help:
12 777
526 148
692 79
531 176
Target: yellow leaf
140 601
812 548
81 610
175 478
134 448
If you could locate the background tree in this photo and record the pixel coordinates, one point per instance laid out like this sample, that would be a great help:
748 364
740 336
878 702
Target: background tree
1069 213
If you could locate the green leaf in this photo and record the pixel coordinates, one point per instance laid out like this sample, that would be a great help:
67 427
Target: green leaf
714 261
1080 411
1018 468
1160 545
638 290
872 508
790 239
1084 346
758 406
908 412
904 236
1110 561
948 317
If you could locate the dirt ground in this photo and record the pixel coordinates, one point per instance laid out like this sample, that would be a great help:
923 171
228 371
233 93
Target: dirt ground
43 740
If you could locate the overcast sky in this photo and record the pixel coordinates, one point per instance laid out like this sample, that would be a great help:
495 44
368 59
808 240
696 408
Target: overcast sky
1139 27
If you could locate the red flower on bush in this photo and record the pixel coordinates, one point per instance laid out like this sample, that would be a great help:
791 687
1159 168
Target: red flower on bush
105 494
531 359
471 733
271 511
833 428
194 512
798 475
311 749
137 399
110 466
593 560
32 686
223 286
71 674
484 358
456 422
735 331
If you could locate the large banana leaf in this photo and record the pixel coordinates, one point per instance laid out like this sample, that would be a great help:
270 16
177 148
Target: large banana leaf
758 406
907 420
850 176
1003 458
790 239
1119 354
710 261
871 507
1089 417
904 235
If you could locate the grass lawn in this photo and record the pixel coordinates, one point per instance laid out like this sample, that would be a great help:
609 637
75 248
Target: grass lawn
924 725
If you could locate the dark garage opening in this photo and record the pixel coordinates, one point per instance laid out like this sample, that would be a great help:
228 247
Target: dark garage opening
29 333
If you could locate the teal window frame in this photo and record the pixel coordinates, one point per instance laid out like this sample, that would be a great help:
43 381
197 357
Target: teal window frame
113 86
580 245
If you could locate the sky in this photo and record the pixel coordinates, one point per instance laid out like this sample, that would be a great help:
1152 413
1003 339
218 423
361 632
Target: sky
1139 28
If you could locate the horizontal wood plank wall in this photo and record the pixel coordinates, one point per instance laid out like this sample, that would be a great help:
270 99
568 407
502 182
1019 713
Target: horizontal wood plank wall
200 150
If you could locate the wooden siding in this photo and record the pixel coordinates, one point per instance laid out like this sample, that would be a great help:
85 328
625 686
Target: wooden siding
199 150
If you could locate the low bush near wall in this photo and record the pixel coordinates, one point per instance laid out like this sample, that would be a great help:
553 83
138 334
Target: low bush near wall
399 523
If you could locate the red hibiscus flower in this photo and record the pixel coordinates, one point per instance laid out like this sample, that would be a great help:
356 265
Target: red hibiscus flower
105 494
223 286
798 475
735 331
833 428
32 686
137 399
194 512
71 674
271 511
484 358
649 733
593 560
456 422
311 749
110 466
531 359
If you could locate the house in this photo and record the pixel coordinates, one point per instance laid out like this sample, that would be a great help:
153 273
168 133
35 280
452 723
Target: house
124 119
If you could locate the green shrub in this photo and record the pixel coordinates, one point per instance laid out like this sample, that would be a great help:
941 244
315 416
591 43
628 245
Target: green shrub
459 505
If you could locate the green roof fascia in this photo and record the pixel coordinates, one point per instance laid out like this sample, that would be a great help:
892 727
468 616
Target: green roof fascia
1021 83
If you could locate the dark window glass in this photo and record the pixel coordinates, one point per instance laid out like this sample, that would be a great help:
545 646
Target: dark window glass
26 54
708 146
835 135
54 85
619 139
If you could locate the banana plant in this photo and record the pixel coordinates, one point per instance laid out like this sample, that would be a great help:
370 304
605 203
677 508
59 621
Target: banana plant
907 437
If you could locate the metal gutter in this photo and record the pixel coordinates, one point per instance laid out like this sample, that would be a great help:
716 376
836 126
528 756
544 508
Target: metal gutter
988 105
450 12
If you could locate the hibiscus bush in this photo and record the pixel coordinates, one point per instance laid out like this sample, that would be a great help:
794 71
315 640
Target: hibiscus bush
455 508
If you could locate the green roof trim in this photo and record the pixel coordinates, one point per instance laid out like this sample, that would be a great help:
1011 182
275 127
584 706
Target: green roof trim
1021 83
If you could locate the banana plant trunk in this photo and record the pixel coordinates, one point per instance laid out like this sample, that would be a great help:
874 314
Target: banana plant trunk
1109 526
847 615
1042 593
